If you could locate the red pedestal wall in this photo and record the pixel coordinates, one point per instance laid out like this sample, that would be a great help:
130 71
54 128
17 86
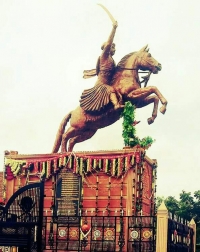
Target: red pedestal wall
102 191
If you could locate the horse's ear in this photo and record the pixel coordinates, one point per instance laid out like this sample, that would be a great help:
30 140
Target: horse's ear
144 49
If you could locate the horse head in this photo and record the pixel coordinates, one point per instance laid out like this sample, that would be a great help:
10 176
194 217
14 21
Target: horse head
140 60
146 62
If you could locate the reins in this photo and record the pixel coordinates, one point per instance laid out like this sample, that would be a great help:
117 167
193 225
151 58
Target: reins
120 69
125 68
145 78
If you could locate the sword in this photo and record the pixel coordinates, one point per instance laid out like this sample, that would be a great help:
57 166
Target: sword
108 12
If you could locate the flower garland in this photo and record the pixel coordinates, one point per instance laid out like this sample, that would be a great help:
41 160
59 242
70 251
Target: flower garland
4 183
114 165
129 131
15 165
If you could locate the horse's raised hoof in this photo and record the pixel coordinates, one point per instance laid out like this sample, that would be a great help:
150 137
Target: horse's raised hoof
150 120
163 109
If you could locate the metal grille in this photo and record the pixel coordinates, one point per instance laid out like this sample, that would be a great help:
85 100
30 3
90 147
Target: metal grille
180 237
141 236
21 218
99 233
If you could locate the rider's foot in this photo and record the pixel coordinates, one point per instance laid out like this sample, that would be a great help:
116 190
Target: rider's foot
118 106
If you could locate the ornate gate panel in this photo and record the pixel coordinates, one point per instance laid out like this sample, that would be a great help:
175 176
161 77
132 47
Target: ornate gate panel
141 234
180 237
21 218
99 233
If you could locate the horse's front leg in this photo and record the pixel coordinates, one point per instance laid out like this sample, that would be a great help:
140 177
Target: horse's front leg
150 99
142 93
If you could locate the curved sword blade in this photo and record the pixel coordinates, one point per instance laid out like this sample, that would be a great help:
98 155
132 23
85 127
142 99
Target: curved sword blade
108 12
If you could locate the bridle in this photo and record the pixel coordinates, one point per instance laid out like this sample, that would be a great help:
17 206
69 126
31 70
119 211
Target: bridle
145 78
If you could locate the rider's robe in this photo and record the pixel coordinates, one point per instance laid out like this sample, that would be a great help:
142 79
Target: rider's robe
97 98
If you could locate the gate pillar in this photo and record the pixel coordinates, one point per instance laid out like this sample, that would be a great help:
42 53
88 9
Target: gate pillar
192 224
162 228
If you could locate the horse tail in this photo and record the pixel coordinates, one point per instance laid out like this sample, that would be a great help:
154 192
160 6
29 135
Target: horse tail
60 132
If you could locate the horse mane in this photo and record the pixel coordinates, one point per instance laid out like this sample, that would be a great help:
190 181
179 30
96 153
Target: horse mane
121 65
122 62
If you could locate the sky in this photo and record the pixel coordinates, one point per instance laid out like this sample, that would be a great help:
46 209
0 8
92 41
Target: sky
46 44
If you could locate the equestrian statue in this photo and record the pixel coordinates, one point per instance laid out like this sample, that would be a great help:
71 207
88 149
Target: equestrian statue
102 105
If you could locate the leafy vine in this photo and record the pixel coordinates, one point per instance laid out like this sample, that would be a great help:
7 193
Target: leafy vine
129 131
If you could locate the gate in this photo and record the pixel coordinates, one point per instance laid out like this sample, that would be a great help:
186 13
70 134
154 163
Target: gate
180 237
99 233
21 219
142 234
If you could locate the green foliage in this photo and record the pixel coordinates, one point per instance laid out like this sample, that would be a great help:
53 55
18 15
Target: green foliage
146 141
128 128
172 205
186 205
129 131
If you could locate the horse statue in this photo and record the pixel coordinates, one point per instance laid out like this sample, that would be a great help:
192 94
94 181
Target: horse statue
83 125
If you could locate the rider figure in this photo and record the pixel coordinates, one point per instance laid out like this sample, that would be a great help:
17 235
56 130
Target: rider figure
96 98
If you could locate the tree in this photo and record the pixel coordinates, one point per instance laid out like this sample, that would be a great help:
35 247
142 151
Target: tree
196 211
172 204
186 206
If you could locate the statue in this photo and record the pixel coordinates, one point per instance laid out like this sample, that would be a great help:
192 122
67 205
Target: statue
97 98
102 105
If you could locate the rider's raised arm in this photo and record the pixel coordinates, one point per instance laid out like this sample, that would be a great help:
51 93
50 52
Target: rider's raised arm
112 34
109 42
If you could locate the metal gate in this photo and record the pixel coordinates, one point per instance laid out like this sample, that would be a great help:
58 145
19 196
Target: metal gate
180 237
142 234
21 219
99 233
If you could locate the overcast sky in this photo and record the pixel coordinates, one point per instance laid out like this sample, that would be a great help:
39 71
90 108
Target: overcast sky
46 45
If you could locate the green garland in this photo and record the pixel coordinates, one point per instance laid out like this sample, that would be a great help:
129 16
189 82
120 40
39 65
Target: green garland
129 131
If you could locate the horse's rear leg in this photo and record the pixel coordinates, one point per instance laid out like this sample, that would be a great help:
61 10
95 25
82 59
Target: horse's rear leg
71 132
60 132
80 138
151 99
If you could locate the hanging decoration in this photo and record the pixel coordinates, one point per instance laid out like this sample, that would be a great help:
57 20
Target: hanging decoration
81 199
2 187
153 196
109 188
133 198
114 165
13 167
139 183
85 230
129 131
121 196
4 183
121 240
97 193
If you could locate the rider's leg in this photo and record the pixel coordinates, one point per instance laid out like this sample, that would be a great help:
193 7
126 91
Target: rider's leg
115 101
